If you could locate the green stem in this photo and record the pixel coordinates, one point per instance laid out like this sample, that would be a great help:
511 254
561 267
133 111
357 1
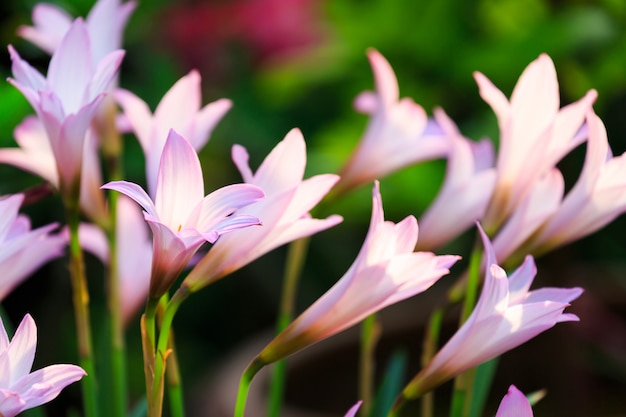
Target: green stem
296 256
148 343
116 328
244 385
174 381
463 383
80 296
431 341
162 351
370 334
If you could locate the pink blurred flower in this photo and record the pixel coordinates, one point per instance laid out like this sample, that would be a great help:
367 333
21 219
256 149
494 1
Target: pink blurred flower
105 23
506 316
22 250
354 409
67 99
534 133
35 155
181 217
284 210
399 133
466 190
180 110
134 254
514 404
21 389
385 272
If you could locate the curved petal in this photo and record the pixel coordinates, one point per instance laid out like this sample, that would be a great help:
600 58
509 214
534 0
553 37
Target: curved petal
514 404
135 192
21 350
45 384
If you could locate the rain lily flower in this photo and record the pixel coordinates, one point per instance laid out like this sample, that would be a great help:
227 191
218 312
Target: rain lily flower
134 254
506 315
514 404
181 217
18 243
21 389
598 197
67 99
35 155
466 190
385 272
284 210
399 133
105 23
534 134
179 110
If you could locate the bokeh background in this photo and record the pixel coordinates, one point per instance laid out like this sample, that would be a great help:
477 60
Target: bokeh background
300 63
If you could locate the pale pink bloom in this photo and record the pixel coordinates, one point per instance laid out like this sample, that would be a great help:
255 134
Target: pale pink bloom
22 250
21 389
284 210
466 191
534 133
529 215
181 217
598 197
67 99
507 315
514 404
105 23
35 155
385 272
134 254
399 133
180 110
353 410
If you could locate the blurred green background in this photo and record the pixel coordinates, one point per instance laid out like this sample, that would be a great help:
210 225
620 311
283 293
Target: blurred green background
300 63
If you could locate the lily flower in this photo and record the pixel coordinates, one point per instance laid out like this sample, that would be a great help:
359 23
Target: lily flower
385 272
284 210
18 243
506 316
67 99
399 133
21 389
134 254
598 197
466 191
105 23
181 217
180 110
35 155
514 404
534 133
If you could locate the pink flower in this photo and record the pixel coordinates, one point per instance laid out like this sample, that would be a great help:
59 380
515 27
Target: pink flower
385 272
35 155
353 410
598 197
534 133
22 250
506 315
399 133
105 23
67 99
284 210
466 190
134 254
21 389
180 110
181 217
514 404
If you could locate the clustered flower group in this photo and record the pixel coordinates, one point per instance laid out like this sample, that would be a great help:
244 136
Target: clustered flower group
516 196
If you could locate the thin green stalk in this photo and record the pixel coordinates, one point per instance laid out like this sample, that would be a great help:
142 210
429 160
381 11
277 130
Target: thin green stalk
80 296
148 343
163 351
370 334
116 324
174 381
296 256
244 385
463 383
431 341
